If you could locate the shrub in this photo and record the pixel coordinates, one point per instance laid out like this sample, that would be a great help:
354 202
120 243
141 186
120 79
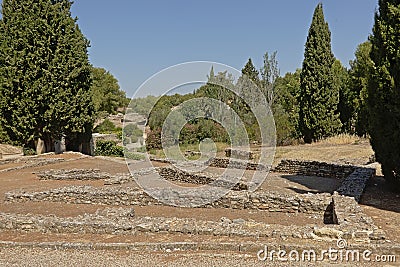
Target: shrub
141 149
105 127
29 151
119 133
153 140
108 148
132 130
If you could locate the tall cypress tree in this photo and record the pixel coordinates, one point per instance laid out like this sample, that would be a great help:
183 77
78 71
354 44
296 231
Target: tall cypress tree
384 90
360 69
251 72
318 98
44 73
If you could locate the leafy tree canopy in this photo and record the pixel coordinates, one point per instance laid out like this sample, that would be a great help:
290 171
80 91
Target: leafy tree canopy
44 73
107 95
318 98
384 90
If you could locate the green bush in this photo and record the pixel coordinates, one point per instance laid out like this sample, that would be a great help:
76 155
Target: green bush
141 149
108 148
131 134
132 130
105 127
126 141
29 151
119 133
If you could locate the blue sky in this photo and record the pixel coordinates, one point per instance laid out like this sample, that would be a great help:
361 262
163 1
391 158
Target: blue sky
136 39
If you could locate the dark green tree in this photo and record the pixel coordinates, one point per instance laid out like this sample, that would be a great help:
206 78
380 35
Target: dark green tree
107 95
44 74
286 107
360 71
251 72
318 99
384 90
3 136
345 105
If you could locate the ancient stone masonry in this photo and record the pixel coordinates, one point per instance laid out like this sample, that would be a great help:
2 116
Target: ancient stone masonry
354 184
270 201
352 221
347 218
122 221
190 153
239 154
162 160
73 174
32 162
119 179
314 168
237 164
174 174
6 161
221 163
124 178
85 175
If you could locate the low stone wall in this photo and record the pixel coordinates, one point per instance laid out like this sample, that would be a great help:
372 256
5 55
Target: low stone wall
349 221
236 164
314 168
174 174
354 184
73 174
85 175
239 154
32 162
269 201
190 153
168 173
220 163
354 178
124 223
5 161
119 179
353 222
163 160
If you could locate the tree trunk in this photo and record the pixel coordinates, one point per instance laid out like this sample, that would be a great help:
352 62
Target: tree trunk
40 146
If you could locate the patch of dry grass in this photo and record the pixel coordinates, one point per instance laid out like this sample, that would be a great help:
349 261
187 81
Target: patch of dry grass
342 139
357 153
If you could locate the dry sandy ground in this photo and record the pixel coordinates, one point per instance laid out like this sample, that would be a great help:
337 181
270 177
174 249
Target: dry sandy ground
49 258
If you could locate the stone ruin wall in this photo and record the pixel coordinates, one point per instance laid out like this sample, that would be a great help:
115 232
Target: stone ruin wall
268 201
347 217
314 168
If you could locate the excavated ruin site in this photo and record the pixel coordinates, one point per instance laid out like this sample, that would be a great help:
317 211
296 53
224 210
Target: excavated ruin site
72 201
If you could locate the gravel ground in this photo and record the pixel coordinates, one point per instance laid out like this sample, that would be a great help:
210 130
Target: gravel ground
46 257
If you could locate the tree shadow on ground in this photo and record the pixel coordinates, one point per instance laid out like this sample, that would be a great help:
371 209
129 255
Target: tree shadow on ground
312 184
377 194
380 195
